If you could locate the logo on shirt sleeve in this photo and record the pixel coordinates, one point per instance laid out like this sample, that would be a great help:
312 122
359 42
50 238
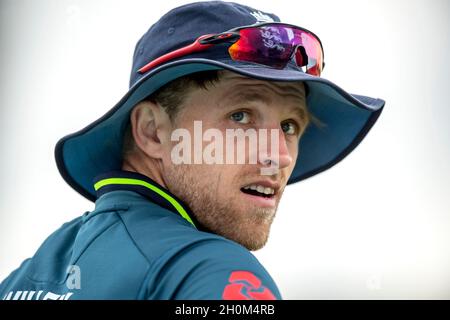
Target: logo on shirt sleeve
244 285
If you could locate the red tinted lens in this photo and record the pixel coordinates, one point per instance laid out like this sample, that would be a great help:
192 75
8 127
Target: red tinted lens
275 45
313 51
263 45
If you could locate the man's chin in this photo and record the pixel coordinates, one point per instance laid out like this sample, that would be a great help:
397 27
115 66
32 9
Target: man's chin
252 236
250 228
254 244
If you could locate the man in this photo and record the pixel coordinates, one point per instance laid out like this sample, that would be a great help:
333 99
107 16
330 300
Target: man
226 107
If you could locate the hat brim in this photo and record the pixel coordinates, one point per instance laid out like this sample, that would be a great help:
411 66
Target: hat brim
345 121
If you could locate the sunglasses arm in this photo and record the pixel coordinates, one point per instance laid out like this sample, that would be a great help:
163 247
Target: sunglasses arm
196 46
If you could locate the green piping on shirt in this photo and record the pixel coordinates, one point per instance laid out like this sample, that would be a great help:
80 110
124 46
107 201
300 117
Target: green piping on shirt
138 182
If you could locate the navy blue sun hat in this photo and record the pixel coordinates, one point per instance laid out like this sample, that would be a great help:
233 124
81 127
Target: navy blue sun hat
96 149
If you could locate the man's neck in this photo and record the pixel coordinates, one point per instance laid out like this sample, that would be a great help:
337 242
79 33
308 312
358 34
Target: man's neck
148 168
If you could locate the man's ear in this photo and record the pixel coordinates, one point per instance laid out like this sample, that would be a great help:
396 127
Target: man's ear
146 121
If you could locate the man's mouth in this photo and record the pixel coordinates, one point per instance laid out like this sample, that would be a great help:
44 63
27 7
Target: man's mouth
259 190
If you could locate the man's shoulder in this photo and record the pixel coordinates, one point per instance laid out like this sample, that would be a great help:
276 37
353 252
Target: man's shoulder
210 267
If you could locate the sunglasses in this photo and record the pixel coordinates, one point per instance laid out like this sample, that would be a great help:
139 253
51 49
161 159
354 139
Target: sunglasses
271 44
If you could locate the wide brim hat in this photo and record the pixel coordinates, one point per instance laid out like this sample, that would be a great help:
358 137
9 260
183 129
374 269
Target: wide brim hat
345 118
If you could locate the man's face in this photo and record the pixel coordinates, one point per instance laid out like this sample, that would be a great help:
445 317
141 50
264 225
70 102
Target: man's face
221 195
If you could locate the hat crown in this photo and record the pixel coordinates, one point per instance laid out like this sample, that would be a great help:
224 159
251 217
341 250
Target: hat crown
181 26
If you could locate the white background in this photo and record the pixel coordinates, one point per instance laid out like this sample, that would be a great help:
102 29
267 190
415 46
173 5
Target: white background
374 226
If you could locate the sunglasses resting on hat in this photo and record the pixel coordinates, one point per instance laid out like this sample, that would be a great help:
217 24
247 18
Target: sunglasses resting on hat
271 44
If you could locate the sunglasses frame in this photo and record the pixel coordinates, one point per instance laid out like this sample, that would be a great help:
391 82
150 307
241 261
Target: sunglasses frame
208 40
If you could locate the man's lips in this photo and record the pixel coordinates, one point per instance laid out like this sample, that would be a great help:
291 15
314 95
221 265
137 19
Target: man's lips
261 188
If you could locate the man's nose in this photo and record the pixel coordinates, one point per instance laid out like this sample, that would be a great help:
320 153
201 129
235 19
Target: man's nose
285 155
277 152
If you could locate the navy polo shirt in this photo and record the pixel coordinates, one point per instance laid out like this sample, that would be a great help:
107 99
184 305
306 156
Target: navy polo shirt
140 242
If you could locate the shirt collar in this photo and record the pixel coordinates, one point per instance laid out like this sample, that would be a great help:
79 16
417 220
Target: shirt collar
133 181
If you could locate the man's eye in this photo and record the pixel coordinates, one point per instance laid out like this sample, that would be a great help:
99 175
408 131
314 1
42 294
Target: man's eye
289 128
241 117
